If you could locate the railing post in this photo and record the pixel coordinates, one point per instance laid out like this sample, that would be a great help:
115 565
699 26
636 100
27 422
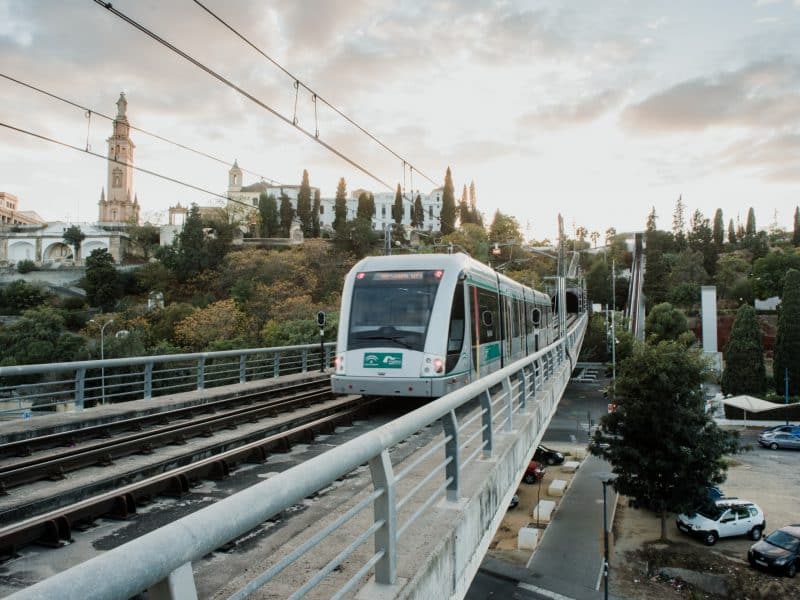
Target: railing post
509 425
523 386
201 372
276 364
80 385
179 585
304 359
452 470
385 510
486 422
242 368
148 381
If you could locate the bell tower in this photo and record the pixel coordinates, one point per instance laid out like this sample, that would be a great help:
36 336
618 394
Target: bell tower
116 206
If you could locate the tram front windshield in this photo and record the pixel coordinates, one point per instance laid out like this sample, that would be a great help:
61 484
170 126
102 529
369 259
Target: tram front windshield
391 309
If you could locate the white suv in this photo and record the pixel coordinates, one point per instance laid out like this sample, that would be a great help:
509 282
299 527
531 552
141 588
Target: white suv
728 517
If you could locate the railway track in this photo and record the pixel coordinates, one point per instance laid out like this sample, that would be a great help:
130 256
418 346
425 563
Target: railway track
166 460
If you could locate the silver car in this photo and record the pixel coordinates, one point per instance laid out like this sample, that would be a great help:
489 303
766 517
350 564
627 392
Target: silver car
779 440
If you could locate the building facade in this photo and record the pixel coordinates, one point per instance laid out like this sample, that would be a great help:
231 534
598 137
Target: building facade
11 215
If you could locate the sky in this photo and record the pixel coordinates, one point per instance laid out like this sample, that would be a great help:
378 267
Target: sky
598 111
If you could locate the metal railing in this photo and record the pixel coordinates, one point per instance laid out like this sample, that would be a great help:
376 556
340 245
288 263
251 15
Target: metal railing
29 390
161 561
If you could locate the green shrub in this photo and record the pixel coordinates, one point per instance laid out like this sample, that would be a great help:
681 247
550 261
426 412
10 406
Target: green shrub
26 266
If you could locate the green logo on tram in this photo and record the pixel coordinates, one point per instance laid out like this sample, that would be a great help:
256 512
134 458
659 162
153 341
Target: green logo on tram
383 360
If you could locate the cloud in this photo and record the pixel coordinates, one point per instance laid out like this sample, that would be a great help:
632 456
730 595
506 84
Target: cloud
764 94
776 158
560 116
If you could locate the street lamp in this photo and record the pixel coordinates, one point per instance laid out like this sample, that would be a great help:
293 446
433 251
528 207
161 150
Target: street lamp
606 479
102 357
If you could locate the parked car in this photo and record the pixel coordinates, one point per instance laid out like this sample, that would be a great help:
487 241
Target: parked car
534 472
514 501
790 428
548 456
724 518
779 440
779 551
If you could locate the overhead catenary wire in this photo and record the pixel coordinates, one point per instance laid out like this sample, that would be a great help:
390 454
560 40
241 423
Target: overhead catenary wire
121 162
108 6
91 111
316 96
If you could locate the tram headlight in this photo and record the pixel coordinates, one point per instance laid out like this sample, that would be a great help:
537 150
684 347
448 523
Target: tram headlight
438 365
432 364
338 363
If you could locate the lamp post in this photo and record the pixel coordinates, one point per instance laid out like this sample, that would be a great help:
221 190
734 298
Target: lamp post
102 357
606 479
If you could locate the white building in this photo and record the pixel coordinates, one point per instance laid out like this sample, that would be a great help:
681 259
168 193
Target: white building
243 203
44 243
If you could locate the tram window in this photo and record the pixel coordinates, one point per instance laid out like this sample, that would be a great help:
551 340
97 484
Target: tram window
455 335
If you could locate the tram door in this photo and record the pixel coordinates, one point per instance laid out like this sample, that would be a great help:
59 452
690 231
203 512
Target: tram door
456 328
485 334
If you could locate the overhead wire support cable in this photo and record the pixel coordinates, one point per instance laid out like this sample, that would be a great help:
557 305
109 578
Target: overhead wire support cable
249 96
121 162
90 111
297 83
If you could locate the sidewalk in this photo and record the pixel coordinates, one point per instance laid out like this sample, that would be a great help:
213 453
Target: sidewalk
568 562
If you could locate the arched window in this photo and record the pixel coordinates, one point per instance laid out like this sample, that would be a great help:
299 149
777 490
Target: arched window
117 178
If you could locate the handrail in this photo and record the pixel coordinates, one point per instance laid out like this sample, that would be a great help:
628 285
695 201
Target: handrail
161 560
143 377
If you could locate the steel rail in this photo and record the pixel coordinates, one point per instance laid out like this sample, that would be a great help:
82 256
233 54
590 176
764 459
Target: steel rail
54 528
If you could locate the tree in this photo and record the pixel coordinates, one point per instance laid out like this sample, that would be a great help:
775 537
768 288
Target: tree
679 224
340 206
504 230
475 215
357 236
304 206
665 322
448 212
20 295
418 213
656 274
744 371
315 208
662 445
398 208
366 206
731 233
787 341
102 282
700 239
611 233
218 321
146 237
594 236
74 236
268 213
286 213
39 337
769 273
718 233
750 228
796 230
463 208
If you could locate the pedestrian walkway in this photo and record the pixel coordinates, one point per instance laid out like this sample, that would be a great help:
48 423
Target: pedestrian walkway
568 562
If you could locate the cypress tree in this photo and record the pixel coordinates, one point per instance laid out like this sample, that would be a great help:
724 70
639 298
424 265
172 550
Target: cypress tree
304 206
744 356
463 208
268 211
731 233
340 206
796 232
718 233
418 213
448 212
286 214
750 228
366 206
787 342
397 207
